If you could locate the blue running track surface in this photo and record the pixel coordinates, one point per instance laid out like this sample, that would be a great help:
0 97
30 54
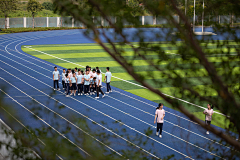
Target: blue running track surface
28 77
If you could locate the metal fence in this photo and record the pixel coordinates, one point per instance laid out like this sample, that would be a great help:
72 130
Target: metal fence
26 22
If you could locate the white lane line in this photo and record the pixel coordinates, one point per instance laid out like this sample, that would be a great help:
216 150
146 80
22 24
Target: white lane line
77 113
89 107
125 113
27 61
30 95
154 126
112 76
153 106
134 98
116 91
46 122
59 114
164 131
124 80
21 122
167 121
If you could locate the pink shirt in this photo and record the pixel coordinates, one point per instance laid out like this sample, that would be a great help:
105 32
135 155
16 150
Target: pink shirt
160 113
90 73
94 74
70 75
208 115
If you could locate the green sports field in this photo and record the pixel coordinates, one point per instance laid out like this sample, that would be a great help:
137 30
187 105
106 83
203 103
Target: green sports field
80 55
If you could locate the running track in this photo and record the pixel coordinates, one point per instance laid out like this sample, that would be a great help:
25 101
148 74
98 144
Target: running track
28 77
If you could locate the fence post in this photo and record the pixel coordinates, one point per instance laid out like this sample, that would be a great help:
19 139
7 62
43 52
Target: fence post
219 18
24 22
58 21
142 20
154 20
47 21
72 22
102 21
8 23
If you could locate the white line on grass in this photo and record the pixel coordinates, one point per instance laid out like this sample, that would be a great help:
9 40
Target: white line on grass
125 80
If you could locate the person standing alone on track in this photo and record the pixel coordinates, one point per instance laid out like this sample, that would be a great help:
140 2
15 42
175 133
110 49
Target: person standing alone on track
159 114
208 118
108 76
56 78
99 84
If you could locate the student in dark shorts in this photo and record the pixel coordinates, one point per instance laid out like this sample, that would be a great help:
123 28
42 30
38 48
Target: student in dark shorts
73 81
67 84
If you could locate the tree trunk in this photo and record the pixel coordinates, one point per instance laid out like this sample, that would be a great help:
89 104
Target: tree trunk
33 22
5 22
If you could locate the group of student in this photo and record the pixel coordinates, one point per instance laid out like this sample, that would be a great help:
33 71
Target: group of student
160 114
88 81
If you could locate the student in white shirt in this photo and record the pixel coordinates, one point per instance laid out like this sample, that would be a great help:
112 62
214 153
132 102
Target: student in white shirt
67 78
73 81
159 114
56 78
208 118
80 81
86 83
63 78
99 84
76 71
107 79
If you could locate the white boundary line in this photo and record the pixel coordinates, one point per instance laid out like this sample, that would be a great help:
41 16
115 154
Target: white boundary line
72 110
57 114
168 122
116 78
125 103
127 114
21 123
93 109
124 80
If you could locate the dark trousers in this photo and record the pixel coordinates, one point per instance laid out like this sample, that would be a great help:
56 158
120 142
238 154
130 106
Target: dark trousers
67 88
207 122
63 84
92 88
108 87
99 89
86 89
80 88
55 82
159 126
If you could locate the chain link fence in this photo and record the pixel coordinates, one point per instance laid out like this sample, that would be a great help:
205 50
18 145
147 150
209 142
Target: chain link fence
27 22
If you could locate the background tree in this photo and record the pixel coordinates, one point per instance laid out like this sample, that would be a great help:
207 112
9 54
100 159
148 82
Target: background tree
47 6
6 7
33 7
